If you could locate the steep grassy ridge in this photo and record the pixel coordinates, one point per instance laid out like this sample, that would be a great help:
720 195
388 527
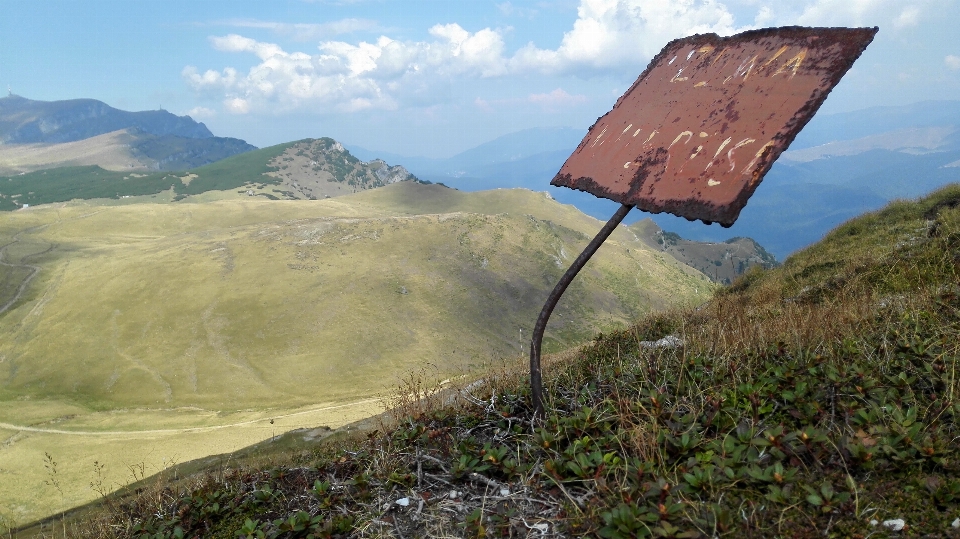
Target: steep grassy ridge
257 306
817 399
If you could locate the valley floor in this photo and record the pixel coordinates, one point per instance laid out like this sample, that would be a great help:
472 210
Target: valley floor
98 452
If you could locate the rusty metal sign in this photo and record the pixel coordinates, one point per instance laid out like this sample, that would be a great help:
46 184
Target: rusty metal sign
699 129
705 121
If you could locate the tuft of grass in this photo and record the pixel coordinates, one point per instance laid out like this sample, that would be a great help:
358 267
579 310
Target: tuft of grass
817 399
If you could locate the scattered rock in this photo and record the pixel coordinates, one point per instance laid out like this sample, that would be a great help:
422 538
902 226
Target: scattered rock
896 524
669 341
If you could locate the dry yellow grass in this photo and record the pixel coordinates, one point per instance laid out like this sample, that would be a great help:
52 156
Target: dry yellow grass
110 150
166 316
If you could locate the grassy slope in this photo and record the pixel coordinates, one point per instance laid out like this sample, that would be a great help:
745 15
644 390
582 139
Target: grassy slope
110 150
239 303
92 182
808 400
218 180
255 304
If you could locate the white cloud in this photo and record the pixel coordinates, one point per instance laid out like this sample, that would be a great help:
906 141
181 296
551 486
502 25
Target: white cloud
556 99
765 17
952 61
348 77
899 13
608 36
483 104
237 105
336 2
199 113
510 10
307 31
616 33
910 16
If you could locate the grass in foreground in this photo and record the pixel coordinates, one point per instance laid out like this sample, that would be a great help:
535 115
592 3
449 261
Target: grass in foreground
817 399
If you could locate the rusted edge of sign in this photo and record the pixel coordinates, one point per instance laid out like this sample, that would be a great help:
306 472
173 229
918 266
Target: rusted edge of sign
686 127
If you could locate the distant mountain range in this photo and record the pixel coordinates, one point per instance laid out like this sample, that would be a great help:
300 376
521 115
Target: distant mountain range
303 169
25 121
76 132
84 149
840 166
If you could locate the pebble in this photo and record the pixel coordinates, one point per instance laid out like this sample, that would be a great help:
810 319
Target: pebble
896 524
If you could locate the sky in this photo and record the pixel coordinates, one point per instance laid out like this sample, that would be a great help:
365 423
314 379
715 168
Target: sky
425 78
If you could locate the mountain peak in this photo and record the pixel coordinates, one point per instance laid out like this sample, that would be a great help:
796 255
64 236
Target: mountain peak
25 121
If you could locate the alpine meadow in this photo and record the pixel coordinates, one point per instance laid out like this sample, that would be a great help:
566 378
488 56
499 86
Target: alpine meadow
165 322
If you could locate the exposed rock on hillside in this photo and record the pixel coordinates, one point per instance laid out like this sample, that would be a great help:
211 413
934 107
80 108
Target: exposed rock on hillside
721 262
322 168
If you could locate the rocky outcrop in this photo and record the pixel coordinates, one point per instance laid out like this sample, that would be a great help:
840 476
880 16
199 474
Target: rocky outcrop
722 262
323 168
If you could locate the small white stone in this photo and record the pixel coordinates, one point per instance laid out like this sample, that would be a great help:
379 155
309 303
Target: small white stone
670 341
403 502
454 494
956 523
504 492
896 524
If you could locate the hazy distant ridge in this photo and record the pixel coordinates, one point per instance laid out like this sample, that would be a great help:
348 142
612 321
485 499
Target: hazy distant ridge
36 135
25 121
840 166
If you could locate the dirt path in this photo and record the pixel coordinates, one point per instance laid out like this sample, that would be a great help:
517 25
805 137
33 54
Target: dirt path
23 286
34 269
22 428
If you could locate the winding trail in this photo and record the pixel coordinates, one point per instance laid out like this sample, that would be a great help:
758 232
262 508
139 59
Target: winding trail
22 428
23 286
34 269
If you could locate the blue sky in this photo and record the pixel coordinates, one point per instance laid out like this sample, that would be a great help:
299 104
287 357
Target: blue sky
425 78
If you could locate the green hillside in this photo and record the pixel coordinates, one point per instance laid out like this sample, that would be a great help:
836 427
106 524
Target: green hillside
169 316
63 184
310 168
816 399
173 300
